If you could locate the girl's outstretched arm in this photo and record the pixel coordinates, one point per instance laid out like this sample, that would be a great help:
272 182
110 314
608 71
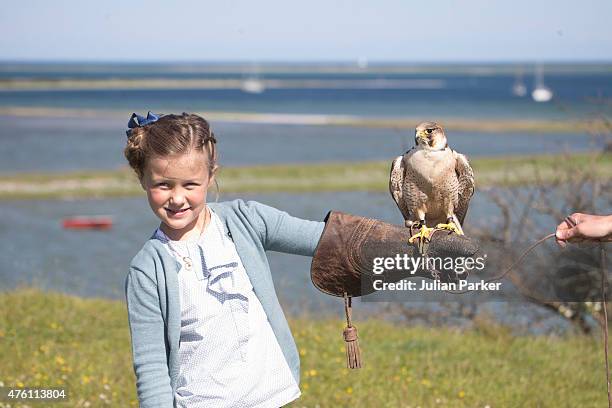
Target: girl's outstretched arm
282 232
148 342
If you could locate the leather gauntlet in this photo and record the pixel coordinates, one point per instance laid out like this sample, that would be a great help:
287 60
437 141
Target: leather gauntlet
344 260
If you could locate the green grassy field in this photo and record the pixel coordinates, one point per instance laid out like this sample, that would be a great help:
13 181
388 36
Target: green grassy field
346 176
53 340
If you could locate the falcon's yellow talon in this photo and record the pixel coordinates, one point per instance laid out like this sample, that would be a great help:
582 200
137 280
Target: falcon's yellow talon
423 233
450 226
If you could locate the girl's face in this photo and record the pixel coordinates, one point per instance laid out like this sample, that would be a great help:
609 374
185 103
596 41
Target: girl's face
176 187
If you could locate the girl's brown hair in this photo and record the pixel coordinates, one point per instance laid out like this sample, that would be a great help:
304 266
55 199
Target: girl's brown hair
170 135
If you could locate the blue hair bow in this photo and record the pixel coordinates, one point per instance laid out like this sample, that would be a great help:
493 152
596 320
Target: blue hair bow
137 121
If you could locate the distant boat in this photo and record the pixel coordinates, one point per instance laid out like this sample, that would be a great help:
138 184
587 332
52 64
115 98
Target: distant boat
541 93
251 82
519 88
101 223
362 63
253 85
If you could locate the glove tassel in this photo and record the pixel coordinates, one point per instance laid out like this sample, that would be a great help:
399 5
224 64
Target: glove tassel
351 339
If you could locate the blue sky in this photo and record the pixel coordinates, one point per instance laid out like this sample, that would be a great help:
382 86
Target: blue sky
314 30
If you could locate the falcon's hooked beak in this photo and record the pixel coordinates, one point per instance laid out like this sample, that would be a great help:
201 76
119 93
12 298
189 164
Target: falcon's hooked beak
426 139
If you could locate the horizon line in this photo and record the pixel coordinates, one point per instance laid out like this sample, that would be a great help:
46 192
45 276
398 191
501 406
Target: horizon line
322 62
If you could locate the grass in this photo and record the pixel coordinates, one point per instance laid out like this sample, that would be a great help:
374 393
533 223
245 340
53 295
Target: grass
342 176
55 340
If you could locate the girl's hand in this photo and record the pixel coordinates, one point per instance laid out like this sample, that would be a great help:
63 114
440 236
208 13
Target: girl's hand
587 228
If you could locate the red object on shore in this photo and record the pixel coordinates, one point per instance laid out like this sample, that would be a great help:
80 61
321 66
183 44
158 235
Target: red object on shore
101 223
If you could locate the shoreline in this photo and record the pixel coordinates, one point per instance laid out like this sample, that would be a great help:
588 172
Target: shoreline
505 171
492 125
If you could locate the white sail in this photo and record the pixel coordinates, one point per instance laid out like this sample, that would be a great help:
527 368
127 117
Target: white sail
253 85
519 89
541 93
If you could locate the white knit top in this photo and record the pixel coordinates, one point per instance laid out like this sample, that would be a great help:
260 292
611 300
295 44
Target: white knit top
228 354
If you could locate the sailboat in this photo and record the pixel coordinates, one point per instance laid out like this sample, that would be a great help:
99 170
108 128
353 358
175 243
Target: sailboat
253 84
519 89
362 63
541 93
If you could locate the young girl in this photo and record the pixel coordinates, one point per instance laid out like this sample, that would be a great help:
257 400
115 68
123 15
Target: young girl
207 328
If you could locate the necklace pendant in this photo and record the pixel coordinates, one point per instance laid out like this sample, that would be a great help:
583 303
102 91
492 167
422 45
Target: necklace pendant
188 262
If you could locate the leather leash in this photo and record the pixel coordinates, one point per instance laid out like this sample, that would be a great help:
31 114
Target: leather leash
604 303
602 252
518 261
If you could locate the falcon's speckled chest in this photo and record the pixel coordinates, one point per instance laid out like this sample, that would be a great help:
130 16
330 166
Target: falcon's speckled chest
430 169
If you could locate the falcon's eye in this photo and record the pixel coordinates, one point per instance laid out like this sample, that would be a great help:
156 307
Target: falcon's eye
429 131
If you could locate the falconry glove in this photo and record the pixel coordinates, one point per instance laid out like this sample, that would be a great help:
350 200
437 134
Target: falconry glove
343 261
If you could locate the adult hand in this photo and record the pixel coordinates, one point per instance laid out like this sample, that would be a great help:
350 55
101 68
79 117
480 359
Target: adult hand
587 228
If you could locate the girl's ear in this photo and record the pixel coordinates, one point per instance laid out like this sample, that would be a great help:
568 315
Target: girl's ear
213 174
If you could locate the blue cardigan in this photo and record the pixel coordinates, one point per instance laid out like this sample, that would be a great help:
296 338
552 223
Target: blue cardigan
152 292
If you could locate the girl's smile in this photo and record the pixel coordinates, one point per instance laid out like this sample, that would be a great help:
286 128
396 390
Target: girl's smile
177 213
176 187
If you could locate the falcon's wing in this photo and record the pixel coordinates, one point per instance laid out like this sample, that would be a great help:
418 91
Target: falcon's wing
396 185
465 175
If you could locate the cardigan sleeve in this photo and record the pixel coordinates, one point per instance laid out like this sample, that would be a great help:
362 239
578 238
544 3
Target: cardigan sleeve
148 341
282 232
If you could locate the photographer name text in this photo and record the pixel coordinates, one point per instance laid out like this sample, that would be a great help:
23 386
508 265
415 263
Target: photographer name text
435 285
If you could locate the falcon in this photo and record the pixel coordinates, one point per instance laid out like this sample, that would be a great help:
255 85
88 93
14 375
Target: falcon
432 184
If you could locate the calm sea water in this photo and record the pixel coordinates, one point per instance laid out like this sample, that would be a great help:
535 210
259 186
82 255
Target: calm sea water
55 144
465 92
89 263
59 144
37 251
